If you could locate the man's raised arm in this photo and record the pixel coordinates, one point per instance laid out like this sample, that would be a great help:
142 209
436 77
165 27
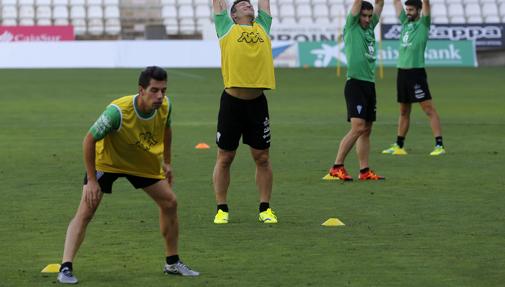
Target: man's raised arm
356 7
219 6
264 5
398 7
426 8
379 5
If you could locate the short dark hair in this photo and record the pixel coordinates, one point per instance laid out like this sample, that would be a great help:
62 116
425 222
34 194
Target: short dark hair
365 5
416 3
233 9
151 72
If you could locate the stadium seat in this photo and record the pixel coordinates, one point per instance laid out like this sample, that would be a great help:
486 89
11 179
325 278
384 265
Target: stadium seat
304 11
112 26
202 11
78 19
390 20
39 3
187 26
169 14
322 21
26 15
432 2
488 1
186 12
26 3
474 20
201 23
288 21
305 21
301 2
43 15
472 9
456 10
321 11
60 3
287 11
77 2
95 12
9 14
274 11
337 10
94 2
95 26
458 20
489 9
439 10
284 2
111 12
9 2
388 11
317 2
441 20
502 9
60 15
331 2
184 2
454 1
492 19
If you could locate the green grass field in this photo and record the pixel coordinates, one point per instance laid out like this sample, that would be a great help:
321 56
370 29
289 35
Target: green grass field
435 221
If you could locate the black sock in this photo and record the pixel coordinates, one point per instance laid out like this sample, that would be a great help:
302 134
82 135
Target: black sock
363 170
67 265
337 165
400 141
264 206
438 141
223 207
172 259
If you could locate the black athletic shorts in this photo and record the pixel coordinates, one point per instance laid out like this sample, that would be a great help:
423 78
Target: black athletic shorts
106 179
361 100
246 118
412 86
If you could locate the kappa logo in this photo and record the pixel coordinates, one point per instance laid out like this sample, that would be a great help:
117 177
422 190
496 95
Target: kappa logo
146 141
250 37
218 136
359 108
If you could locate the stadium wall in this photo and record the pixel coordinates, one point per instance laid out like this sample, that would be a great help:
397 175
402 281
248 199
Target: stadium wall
206 54
491 58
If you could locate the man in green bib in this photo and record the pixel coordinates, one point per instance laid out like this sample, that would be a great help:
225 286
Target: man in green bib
248 70
360 97
412 83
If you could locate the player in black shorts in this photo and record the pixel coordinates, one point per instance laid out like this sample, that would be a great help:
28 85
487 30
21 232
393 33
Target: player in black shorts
360 98
247 68
412 83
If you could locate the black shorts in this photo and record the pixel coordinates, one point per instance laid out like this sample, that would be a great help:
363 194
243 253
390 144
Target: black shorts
246 118
106 179
412 86
361 100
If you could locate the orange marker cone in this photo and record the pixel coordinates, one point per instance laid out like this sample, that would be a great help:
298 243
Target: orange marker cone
202 146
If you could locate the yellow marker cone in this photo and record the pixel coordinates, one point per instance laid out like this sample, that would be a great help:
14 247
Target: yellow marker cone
329 177
333 222
51 268
202 146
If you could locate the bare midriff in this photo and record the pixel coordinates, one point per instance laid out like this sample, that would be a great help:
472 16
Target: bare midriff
244 93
